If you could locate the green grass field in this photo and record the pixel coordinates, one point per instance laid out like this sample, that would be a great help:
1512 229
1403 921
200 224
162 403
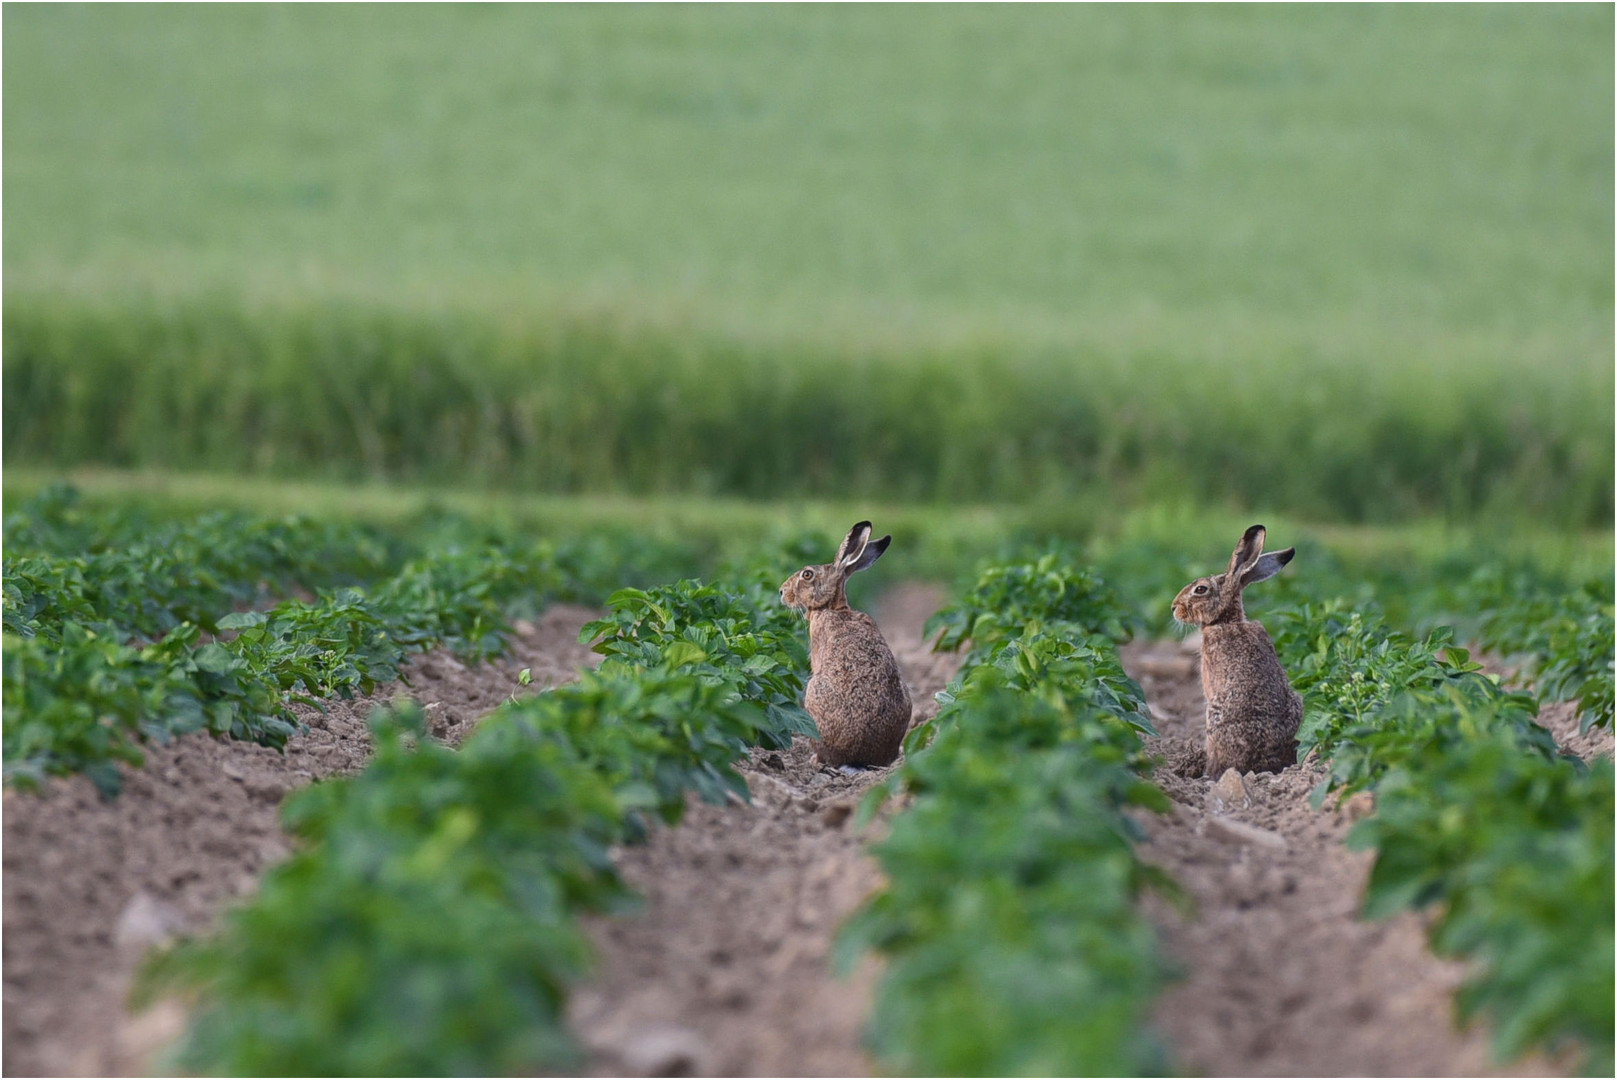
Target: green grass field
1353 264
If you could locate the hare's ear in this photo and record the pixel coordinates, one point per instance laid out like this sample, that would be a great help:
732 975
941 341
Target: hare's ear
853 545
1246 552
1267 566
871 553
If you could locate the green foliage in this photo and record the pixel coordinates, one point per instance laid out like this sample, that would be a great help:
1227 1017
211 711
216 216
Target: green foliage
82 691
350 392
1568 633
1010 915
1347 664
1427 718
1064 670
1579 667
657 732
1009 921
42 594
55 520
1008 599
428 927
1478 815
87 703
163 576
744 639
1512 848
426 930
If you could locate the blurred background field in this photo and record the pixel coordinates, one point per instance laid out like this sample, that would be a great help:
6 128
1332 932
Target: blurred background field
1350 265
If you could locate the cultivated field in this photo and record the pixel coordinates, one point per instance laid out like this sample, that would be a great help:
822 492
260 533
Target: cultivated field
410 415
1048 874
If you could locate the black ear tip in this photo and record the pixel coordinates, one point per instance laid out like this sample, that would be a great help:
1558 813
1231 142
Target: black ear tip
860 525
1253 531
1286 556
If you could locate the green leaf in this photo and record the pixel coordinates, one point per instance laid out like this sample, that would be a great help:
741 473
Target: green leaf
215 658
683 652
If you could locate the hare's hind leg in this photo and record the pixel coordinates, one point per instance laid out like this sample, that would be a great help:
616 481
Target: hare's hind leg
1283 757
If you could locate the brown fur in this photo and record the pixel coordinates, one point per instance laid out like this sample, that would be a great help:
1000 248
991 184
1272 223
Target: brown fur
855 693
1252 711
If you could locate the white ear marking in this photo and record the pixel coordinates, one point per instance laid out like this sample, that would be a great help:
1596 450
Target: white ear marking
853 545
1267 566
869 554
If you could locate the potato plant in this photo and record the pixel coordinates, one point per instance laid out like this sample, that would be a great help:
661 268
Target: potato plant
185 575
1010 918
1479 818
108 650
345 962
721 635
1566 632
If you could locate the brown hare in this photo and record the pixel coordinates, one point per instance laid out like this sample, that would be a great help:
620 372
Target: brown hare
1252 711
855 692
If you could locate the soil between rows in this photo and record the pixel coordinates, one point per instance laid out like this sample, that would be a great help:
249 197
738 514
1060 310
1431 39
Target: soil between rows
1281 978
89 885
724 969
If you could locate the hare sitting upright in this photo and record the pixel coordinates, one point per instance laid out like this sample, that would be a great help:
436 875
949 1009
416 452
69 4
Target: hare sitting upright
855 692
1252 711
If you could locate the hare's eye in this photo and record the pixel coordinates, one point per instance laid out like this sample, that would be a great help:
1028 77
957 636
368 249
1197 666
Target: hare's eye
1198 590
808 575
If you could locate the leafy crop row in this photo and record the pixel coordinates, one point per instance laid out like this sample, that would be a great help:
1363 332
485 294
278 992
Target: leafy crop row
427 927
1009 918
191 576
79 698
119 570
1568 633
719 635
1478 817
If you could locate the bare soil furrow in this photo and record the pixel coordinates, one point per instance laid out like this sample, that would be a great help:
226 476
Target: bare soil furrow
1281 978
90 885
1562 720
725 968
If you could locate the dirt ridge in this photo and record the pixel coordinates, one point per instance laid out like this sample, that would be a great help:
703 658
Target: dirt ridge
89 885
726 969
1281 977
